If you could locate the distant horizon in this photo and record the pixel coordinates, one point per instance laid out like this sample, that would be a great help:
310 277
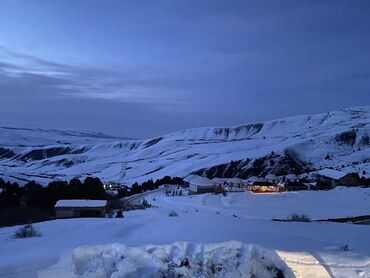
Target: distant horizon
123 136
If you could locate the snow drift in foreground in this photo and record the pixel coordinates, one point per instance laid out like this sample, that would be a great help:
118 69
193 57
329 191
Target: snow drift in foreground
180 259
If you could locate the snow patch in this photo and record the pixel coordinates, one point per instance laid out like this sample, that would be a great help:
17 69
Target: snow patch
180 259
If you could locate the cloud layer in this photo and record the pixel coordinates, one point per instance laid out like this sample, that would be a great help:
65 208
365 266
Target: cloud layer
141 69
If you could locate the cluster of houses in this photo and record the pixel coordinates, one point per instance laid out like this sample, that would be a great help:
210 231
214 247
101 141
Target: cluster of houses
323 179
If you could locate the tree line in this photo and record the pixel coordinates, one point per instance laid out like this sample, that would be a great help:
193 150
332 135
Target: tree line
34 202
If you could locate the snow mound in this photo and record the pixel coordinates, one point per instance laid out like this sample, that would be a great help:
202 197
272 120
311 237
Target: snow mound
180 259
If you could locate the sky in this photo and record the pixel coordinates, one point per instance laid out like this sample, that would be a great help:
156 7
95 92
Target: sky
146 68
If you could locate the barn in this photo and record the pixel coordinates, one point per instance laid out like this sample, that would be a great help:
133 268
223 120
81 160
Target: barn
335 177
80 208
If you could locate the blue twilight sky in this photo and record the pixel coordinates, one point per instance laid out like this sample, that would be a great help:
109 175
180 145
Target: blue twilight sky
145 68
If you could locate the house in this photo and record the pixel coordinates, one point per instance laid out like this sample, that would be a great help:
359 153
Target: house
219 185
188 179
335 177
351 179
218 182
249 181
80 208
235 183
199 185
111 186
264 187
294 185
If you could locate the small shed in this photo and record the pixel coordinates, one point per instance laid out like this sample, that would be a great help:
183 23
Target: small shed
80 208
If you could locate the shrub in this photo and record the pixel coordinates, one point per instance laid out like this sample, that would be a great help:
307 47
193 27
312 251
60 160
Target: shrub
295 217
146 204
26 231
119 214
344 248
172 214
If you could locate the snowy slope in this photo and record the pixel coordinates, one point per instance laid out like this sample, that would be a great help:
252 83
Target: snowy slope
338 139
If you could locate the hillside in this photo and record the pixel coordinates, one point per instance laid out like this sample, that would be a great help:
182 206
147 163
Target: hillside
338 139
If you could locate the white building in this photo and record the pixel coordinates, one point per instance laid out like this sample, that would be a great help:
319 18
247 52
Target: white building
188 179
219 182
235 182
201 185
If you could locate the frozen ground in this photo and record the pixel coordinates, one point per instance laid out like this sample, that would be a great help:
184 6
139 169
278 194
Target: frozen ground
314 249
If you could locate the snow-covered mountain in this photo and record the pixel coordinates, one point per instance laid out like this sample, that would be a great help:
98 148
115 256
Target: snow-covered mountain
339 139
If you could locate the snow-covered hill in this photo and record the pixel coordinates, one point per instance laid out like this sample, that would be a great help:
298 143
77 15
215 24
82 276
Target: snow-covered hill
338 139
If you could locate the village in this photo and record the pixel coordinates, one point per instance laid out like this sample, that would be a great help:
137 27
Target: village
324 179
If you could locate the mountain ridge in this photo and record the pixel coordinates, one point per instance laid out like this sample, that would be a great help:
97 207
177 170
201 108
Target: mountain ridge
336 139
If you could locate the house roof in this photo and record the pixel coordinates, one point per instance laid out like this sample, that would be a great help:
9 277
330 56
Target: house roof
80 203
263 183
201 181
217 180
330 173
190 177
253 179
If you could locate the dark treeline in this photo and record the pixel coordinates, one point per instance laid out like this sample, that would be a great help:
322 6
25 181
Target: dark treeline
35 195
34 202
151 185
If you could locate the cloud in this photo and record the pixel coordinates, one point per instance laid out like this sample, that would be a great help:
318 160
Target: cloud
143 85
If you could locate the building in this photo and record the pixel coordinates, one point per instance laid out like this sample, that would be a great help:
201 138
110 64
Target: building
200 185
218 182
351 179
188 179
294 185
336 177
249 181
80 208
235 183
264 187
219 185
